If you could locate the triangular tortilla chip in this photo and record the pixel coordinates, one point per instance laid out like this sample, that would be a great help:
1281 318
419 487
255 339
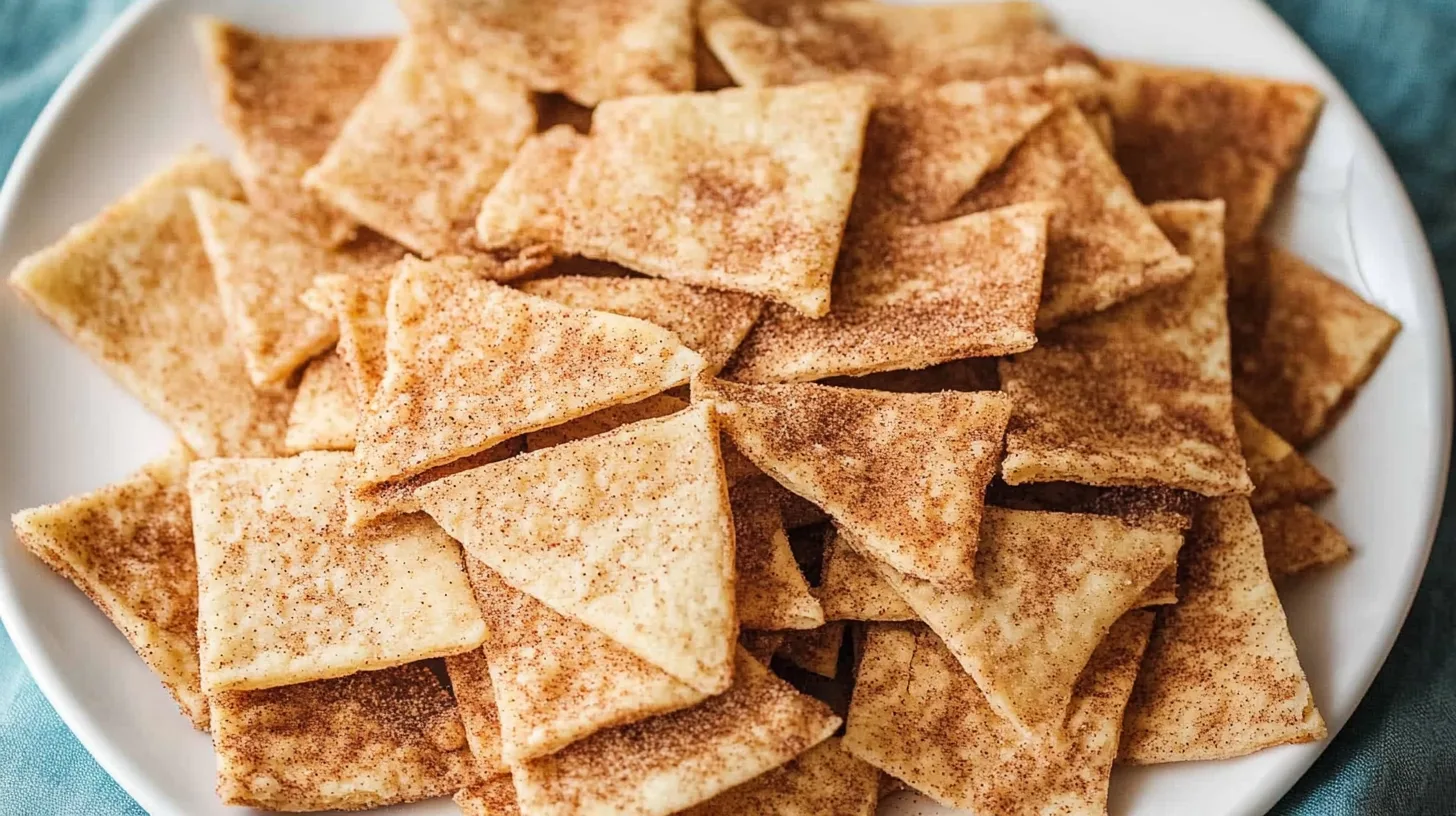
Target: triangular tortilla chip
418 154
743 189
771 592
1303 342
472 364
628 532
850 588
972 374
1221 678
284 100
134 290
474 694
286 594
815 650
1140 394
1102 246
1281 476
526 208
359 307
916 716
590 50
325 414
491 796
128 546
1048 587
1163 591
671 762
911 297
364 741
1297 539
556 680
905 473
712 323
761 645
824 780
1189 134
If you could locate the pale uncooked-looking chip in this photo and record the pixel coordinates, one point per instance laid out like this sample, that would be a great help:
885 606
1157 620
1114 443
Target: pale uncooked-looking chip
418 154
284 99
1281 476
1102 246
851 588
1221 677
741 189
671 762
770 591
917 716
526 208
474 694
815 650
628 532
1296 539
491 796
826 780
286 594
128 546
325 413
134 290
905 473
1140 394
364 741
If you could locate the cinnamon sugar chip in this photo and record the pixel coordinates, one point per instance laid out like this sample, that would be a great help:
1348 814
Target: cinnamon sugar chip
526 207
853 589
419 153
916 716
1102 246
556 680
740 189
134 290
1303 342
474 694
284 101
824 780
1189 134
326 412
358 306
286 594
815 650
628 532
1281 476
761 645
1140 394
1221 678
910 297
971 374
364 741
1048 587
491 796
1297 539
128 546
674 761
590 50
712 323
771 592
906 474
1163 591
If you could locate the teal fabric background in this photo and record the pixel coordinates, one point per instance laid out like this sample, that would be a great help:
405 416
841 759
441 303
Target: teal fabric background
1396 757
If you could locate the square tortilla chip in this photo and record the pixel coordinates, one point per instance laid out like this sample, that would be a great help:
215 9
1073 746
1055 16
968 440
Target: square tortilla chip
760 645
628 532
1303 342
364 741
286 594
853 589
917 716
1221 678
284 101
1140 394
1102 246
491 796
526 208
1297 539
824 780
458 123
134 290
128 546
815 650
325 413
674 761
1281 476
474 694
770 591
746 190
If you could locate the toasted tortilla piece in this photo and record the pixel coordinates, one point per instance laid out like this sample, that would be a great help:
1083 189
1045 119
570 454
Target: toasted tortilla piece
971 374
490 796
770 591
590 50
359 307
1102 246
906 474
284 100
1281 476
557 680
474 695
712 323
851 588
1221 677
911 297
1140 394
418 154
128 546
628 532
916 716
368 740
745 189
526 207
326 413
1297 539
1163 591
826 779
134 290
1048 587
674 761
1303 342
761 645
815 650
1188 134
286 594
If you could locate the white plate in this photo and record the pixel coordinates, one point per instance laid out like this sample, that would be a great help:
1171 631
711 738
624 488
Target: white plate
139 98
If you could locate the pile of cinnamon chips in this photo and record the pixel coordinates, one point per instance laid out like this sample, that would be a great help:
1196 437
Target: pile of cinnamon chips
924 412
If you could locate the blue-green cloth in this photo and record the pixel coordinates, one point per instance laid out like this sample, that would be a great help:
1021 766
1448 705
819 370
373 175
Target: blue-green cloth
1397 756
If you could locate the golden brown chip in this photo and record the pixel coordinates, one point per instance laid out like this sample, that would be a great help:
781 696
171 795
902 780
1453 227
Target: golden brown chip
1221 678
364 741
1297 539
761 645
770 591
474 695
325 413
526 207
1281 476
491 796
815 650
824 780
850 588
1163 591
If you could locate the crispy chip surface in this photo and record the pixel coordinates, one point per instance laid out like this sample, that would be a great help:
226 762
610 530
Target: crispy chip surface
851 588
492 796
771 592
325 413
815 650
359 307
474 694
760 645
826 779
1297 539
526 207
1281 476
607 419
